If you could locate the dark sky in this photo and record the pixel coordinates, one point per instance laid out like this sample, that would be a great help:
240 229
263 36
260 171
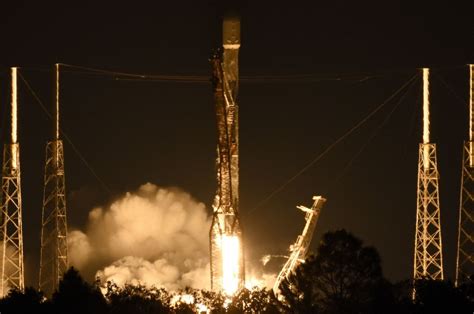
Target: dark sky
133 132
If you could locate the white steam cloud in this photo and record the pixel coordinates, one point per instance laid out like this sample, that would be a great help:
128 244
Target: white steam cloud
154 236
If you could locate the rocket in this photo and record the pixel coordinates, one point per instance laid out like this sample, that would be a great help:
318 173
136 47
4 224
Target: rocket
226 245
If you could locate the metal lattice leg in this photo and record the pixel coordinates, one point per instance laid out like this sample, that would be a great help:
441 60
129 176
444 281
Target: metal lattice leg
54 260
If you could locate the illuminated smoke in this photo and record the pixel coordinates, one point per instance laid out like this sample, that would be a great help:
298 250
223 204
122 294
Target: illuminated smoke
258 277
136 270
154 236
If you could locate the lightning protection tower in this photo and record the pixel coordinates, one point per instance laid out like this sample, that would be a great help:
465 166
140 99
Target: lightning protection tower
11 218
465 249
428 255
54 258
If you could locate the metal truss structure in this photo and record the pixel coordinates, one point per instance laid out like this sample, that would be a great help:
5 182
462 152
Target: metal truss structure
465 249
428 250
54 258
299 249
428 260
54 251
11 206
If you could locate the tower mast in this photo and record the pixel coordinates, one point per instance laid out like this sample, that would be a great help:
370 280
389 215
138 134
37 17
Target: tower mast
11 217
428 255
54 253
465 249
226 245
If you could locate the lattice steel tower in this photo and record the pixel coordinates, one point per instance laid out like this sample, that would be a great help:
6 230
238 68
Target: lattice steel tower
54 259
428 257
11 220
226 245
465 250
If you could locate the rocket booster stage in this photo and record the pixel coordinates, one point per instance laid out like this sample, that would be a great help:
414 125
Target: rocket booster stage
226 248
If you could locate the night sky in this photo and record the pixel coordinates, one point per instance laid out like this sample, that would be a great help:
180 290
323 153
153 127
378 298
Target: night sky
326 65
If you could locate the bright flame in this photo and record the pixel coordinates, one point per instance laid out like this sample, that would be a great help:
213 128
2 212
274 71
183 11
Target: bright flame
253 283
230 264
189 299
201 308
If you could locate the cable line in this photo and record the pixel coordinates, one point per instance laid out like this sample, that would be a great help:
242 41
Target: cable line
331 146
125 76
371 138
68 139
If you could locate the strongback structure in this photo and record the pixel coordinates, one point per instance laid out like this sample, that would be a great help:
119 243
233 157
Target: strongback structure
465 249
11 218
299 250
54 259
226 246
428 255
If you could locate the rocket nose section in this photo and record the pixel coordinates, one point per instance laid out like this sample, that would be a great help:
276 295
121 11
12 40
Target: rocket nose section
231 32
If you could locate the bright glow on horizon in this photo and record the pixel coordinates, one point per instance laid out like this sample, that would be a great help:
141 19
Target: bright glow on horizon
230 264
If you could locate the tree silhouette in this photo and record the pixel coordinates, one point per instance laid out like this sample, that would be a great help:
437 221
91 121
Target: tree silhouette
435 296
136 299
254 301
343 277
28 301
74 295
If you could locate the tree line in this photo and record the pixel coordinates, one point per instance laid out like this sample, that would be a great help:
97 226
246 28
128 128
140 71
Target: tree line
343 277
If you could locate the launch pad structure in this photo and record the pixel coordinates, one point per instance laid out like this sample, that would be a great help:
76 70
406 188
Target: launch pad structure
226 245
54 252
299 250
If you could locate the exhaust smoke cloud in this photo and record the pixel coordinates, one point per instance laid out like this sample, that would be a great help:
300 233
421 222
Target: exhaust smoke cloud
153 236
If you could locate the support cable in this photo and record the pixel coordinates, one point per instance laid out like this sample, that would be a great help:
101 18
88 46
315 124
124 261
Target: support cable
331 146
371 138
455 94
68 139
124 76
